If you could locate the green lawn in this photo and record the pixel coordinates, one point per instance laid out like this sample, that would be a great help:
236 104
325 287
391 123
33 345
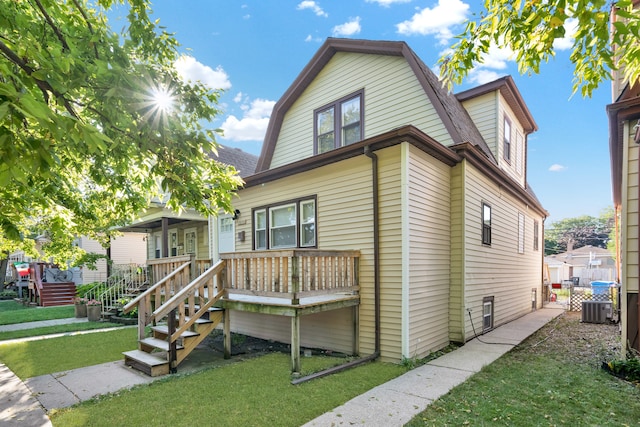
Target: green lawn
56 329
254 392
33 358
11 312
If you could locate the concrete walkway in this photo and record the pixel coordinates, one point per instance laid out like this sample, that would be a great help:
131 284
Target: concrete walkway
396 402
391 404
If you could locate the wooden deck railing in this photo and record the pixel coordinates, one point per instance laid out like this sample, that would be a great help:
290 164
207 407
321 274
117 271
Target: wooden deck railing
292 274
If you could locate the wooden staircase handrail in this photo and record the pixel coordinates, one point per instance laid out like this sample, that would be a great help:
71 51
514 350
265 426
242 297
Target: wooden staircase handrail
197 315
134 302
187 291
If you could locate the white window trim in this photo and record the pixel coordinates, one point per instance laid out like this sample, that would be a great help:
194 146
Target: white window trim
302 223
157 244
195 241
298 207
255 230
173 231
271 227
506 139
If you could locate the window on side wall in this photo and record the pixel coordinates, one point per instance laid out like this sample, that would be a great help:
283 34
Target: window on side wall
506 138
536 232
287 225
486 224
339 123
520 233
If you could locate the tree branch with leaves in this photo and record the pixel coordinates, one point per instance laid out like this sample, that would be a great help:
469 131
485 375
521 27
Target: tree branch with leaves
530 28
84 144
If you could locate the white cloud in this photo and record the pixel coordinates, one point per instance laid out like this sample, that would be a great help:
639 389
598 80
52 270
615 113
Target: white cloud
494 65
253 124
436 21
557 168
482 76
387 3
315 7
238 97
348 28
570 28
310 38
192 70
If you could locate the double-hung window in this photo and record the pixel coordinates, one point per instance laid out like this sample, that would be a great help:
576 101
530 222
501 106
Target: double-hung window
287 225
486 224
507 140
338 124
282 226
260 229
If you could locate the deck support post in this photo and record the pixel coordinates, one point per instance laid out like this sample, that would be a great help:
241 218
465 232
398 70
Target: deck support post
295 280
173 350
226 333
295 343
143 314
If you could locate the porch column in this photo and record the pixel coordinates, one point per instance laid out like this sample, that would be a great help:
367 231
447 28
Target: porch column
295 343
165 237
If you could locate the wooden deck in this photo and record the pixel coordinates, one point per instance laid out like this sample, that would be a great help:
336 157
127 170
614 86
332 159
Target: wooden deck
291 283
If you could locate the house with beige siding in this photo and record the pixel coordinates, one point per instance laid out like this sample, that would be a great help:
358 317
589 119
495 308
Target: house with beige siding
386 216
366 151
624 143
172 234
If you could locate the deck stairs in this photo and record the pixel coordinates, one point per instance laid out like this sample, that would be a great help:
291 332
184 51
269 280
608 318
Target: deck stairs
125 283
55 294
181 319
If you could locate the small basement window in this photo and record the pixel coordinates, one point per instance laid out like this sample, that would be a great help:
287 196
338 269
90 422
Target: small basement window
487 314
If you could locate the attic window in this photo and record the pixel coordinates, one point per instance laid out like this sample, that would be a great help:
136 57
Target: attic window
506 153
338 124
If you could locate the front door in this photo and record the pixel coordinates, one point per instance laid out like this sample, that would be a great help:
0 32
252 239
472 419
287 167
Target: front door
226 230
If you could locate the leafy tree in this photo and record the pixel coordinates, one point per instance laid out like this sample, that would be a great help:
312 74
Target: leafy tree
94 125
529 29
573 233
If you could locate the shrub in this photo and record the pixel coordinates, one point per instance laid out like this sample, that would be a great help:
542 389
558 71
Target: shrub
8 295
628 369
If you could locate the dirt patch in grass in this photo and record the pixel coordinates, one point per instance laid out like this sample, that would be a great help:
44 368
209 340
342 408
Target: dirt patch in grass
568 339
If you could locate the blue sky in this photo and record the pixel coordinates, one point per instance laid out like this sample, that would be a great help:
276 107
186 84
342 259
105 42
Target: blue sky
254 50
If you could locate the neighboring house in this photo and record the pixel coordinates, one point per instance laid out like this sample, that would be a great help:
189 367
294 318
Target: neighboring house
128 248
624 140
170 234
366 151
558 271
589 263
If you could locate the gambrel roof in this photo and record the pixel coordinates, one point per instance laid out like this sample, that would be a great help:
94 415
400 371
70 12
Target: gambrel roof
451 112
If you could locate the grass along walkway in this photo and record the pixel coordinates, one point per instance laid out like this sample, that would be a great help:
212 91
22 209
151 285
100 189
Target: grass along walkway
56 329
12 312
33 358
551 379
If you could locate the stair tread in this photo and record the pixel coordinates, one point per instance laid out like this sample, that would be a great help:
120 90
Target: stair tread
199 320
164 329
144 357
158 343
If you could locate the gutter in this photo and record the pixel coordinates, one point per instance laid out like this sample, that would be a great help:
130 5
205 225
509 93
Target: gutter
376 280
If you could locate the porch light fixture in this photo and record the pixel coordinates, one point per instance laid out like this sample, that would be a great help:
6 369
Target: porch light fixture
236 214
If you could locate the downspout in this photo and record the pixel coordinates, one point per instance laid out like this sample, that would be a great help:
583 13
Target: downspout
376 281
376 246
627 284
